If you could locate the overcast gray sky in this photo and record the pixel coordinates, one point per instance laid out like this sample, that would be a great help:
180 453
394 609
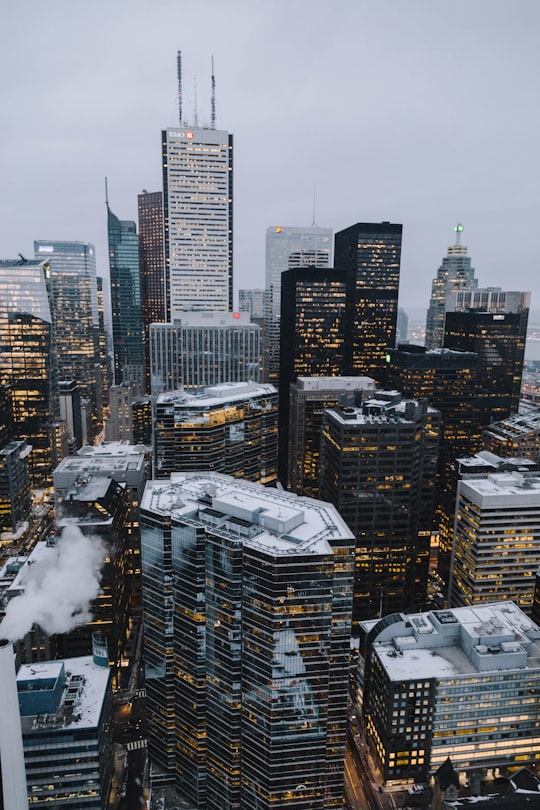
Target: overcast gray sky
423 112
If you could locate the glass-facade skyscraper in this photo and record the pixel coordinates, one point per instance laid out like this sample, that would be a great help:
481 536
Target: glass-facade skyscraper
247 600
455 273
198 219
370 254
27 363
152 264
74 309
128 332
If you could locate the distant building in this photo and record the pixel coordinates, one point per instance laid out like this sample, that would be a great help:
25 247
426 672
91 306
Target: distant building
378 463
70 413
247 599
151 264
15 495
252 301
518 435
229 428
202 349
67 726
127 323
198 219
402 326
287 248
455 683
370 255
455 273
309 397
496 545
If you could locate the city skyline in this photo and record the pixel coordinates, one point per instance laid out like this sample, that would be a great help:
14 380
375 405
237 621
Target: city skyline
376 107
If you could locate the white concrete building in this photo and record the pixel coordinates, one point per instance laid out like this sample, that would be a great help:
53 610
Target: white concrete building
198 200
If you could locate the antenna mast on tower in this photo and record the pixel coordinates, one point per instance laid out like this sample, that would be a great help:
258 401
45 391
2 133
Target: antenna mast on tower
196 111
213 115
458 229
179 74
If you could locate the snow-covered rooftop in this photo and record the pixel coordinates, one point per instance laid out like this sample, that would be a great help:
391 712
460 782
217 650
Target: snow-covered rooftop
91 683
277 521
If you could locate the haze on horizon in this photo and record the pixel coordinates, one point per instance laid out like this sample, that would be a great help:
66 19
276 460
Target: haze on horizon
421 113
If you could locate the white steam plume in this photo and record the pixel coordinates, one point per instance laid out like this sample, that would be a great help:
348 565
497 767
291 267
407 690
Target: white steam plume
58 588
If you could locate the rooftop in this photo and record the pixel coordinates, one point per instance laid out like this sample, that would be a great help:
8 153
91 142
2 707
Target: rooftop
463 641
82 696
270 519
217 395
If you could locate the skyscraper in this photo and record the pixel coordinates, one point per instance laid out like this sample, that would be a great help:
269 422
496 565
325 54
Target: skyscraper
455 273
288 248
152 264
377 467
74 310
312 336
229 428
247 598
198 219
370 255
493 324
496 544
204 348
27 362
128 332
308 399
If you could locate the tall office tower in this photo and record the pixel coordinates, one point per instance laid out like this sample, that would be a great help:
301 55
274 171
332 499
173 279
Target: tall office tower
493 324
202 349
27 359
127 323
6 416
427 679
455 273
70 413
74 309
198 219
312 337
447 378
100 507
378 465
518 435
288 248
309 397
496 547
15 495
229 428
125 464
370 254
247 608
152 264
105 375
119 424
66 711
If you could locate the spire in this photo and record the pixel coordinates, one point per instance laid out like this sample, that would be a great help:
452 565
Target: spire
179 75
106 194
458 229
213 101
196 112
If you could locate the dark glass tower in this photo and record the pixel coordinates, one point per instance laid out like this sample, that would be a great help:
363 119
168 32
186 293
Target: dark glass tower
128 333
447 378
493 324
27 359
370 254
312 336
152 263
